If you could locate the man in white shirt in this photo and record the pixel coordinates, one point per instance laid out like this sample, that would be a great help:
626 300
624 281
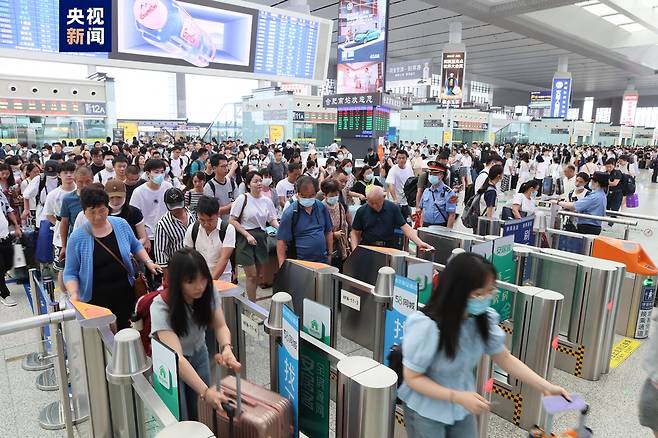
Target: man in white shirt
214 239
490 162
178 162
285 188
51 210
40 186
332 149
569 179
108 173
396 178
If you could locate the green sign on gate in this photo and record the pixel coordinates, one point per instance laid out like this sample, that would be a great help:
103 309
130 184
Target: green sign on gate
313 392
503 261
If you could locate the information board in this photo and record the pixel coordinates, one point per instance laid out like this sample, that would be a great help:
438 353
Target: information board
362 121
405 302
289 362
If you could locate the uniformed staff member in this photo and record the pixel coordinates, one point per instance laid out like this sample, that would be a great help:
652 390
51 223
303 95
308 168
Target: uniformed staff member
594 203
438 204
375 223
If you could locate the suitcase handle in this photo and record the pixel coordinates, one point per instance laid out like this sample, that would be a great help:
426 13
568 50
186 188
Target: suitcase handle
238 396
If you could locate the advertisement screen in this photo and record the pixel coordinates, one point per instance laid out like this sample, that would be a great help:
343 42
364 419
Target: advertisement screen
359 77
628 107
452 78
250 40
540 99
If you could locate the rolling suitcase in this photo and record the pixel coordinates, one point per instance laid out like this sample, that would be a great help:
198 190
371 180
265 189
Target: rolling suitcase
252 412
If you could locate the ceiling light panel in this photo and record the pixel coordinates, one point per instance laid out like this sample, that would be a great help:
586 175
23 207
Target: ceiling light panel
618 19
633 27
600 9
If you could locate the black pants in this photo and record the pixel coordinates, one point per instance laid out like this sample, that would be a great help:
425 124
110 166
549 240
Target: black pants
154 281
654 175
6 263
614 200
588 229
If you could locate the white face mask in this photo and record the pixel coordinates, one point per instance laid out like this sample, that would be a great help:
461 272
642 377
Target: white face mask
108 164
117 207
267 182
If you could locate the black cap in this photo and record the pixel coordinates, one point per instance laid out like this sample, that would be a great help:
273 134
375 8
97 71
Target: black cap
173 199
51 168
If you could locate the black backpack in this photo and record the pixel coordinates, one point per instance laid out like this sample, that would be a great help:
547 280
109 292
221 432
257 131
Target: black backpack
42 185
628 184
410 190
222 231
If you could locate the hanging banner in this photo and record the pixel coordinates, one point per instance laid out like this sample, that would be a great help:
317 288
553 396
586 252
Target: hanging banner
289 363
628 108
560 97
405 302
409 73
165 375
452 78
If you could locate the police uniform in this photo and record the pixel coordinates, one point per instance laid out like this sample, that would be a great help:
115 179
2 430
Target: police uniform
438 204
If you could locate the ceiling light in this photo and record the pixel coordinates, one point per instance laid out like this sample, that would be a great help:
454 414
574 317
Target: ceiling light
618 19
591 2
600 10
633 27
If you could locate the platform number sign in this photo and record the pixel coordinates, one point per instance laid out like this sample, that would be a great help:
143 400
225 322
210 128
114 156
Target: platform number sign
84 26
289 362
405 302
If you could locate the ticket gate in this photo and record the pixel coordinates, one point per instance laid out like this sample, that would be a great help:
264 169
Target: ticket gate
444 240
639 287
591 289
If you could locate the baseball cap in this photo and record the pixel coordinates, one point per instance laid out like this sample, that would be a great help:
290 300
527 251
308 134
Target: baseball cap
173 199
114 187
51 168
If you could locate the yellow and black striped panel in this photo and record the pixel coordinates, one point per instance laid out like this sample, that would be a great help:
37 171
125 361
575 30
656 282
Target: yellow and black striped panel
506 329
578 354
399 418
517 399
333 375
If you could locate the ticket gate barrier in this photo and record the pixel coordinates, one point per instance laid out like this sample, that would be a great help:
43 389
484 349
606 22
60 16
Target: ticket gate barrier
591 289
638 292
445 240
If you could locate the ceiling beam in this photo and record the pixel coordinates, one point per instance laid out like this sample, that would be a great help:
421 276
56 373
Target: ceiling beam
518 7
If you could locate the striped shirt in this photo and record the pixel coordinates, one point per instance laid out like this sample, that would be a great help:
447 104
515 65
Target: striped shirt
192 199
169 235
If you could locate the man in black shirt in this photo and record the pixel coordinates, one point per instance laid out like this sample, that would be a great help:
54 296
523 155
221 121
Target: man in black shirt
375 223
96 161
132 181
615 194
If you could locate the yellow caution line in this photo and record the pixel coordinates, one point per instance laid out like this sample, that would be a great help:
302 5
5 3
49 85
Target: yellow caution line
622 350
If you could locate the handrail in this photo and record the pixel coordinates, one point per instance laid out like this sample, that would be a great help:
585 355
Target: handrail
334 355
20 325
358 284
633 215
151 399
254 307
598 218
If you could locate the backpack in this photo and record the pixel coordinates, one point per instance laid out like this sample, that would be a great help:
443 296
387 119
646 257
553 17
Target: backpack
472 210
187 176
628 184
214 190
410 190
195 231
140 320
42 185
291 249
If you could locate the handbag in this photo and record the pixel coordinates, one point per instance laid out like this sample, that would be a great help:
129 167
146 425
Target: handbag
632 201
140 286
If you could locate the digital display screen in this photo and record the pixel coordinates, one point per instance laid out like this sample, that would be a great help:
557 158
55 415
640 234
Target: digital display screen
51 107
251 40
540 99
362 122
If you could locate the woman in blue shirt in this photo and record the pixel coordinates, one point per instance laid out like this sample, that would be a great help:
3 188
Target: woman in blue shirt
443 344
593 203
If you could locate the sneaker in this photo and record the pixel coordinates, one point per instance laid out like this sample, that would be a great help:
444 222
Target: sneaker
8 301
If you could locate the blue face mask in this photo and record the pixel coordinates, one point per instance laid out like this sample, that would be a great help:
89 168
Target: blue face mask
157 178
433 179
306 202
332 200
348 170
477 306
368 177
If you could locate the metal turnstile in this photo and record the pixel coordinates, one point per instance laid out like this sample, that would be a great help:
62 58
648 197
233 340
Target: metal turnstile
444 240
591 289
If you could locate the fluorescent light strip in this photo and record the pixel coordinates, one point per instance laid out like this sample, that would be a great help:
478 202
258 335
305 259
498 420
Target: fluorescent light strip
600 10
618 19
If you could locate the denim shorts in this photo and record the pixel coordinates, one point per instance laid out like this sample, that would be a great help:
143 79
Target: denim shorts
649 406
418 426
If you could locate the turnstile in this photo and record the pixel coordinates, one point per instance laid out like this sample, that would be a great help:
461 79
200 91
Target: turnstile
444 240
591 289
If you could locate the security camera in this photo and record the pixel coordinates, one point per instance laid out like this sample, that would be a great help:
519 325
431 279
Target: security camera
35 90
93 93
55 91
74 91
12 88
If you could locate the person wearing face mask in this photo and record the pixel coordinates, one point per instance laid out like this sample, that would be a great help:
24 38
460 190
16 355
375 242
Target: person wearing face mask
108 172
348 166
312 169
442 345
522 203
306 230
170 230
328 170
364 182
31 171
116 190
593 203
338 214
149 197
438 204
39 188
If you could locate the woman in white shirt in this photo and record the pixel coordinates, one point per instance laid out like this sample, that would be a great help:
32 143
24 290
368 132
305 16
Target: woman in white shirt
524 169
508 170
250 214
522 203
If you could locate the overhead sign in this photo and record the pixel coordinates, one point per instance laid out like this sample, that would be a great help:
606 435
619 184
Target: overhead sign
51 107
362 28
409 73
359 99
560 97
540 99
452 78
234 37
628 108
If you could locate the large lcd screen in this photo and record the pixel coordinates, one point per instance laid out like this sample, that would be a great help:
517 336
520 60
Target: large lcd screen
237 38
361 45
362 121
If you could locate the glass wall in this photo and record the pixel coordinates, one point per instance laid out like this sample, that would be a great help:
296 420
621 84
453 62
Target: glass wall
39 130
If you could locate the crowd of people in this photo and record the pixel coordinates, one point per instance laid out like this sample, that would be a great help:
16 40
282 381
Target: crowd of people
112 216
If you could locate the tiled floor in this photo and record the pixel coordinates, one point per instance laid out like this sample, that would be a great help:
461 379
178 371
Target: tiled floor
613 399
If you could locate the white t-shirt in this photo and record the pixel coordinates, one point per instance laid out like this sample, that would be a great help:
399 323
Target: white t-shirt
210 246
481 179
151 203
333 147
398 177
540 171
285 188
508 169
527 205
104 176
32 202
568 185
53 207
31 193
176 166
256 214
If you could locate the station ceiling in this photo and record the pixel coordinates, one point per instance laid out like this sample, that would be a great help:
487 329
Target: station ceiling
515 44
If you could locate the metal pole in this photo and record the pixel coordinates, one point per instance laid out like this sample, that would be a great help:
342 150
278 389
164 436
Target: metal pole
274 327
383 296
627 231
60 368
36 321
483 373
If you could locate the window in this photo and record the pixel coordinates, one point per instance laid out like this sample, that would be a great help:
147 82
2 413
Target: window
603 115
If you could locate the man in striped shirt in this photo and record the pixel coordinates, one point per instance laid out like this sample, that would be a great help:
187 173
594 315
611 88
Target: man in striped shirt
170 229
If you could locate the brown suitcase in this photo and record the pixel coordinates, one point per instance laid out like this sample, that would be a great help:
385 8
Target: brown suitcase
263 413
